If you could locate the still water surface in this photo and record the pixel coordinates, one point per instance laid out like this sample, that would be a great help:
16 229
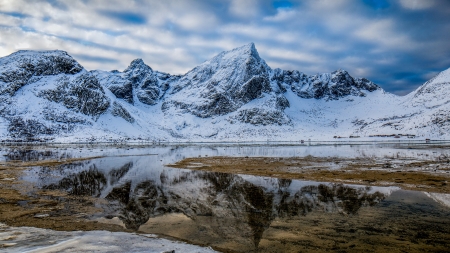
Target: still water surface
244 213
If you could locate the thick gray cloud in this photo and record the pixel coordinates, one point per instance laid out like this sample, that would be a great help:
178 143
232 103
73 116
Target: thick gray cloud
398 44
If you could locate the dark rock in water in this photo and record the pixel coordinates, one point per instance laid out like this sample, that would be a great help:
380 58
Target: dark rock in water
90 183
84 94
236 207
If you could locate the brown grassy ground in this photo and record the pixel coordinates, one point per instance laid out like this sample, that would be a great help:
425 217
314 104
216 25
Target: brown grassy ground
431 176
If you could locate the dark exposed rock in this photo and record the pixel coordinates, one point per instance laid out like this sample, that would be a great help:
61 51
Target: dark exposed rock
332 86
259 116
144 81
119 111
52 114
252 89
122 90
121 87
219 105
29 128
84 94
365 84
149 92
282 102
138 81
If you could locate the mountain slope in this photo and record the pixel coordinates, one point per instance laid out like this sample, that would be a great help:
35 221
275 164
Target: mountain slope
434 93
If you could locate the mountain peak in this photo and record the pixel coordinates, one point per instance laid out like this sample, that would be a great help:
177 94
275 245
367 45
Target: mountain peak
39 52
340 72
17 58
19 68
250 47
442 77
248 50
223 84
138 64
434 92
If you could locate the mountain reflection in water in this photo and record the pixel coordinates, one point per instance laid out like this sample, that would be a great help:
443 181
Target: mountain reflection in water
235 206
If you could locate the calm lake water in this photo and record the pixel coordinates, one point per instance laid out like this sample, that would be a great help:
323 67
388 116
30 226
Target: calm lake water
244 213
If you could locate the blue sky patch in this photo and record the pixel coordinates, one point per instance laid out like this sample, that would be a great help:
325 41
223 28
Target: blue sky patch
378 4
282 4
125 17
14 14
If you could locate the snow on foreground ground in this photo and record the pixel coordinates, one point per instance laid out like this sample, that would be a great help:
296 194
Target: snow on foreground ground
28 239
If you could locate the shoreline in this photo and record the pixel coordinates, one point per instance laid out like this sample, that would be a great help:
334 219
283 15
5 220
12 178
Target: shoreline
416 142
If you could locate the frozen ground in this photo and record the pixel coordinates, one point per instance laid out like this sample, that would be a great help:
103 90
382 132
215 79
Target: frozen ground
29 239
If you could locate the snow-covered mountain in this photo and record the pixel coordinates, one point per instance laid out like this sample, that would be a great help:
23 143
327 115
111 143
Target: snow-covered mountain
234 96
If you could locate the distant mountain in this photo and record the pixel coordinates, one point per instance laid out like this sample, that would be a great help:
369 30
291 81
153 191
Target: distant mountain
235 96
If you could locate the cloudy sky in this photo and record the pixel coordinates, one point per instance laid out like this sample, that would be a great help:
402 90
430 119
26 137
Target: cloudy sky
398 44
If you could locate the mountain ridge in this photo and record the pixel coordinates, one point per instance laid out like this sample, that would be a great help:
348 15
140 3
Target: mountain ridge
233 96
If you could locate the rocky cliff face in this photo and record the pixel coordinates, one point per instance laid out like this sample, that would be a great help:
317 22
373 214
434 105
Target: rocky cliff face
137 83
83 94
330 86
